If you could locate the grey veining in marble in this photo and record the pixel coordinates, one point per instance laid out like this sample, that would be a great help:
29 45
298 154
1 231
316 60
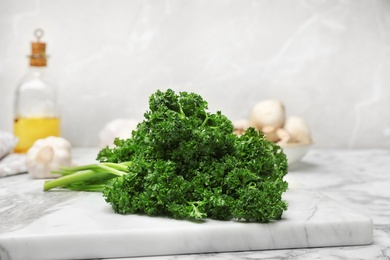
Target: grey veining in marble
354 177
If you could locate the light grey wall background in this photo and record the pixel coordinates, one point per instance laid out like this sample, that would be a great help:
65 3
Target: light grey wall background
328 61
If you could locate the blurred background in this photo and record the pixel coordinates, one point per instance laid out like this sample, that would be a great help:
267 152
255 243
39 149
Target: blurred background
327 61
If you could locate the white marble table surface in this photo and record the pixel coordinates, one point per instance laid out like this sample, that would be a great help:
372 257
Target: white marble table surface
357 178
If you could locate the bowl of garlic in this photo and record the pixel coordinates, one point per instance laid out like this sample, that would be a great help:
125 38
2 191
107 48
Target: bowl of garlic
291 133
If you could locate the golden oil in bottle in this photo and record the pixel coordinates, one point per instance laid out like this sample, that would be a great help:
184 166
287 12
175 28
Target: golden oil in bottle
36 110
31 129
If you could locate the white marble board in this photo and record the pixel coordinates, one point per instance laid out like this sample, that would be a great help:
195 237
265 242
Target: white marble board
80 225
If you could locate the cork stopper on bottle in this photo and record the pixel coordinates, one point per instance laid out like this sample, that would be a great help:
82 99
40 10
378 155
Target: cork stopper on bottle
38 56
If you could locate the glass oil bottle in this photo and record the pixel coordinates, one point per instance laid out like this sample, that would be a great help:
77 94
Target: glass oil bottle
36 112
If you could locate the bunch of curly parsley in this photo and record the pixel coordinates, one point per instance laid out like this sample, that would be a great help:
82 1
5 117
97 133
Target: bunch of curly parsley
187 163
184 162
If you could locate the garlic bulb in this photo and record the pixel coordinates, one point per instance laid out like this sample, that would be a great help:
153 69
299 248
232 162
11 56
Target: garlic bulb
46 155
121 128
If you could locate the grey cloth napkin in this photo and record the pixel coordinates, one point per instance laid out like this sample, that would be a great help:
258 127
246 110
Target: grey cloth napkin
13 164
10 163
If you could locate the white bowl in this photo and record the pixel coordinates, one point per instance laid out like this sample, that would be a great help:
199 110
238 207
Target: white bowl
295 152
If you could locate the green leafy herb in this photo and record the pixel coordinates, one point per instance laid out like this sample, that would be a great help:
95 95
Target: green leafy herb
185 162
